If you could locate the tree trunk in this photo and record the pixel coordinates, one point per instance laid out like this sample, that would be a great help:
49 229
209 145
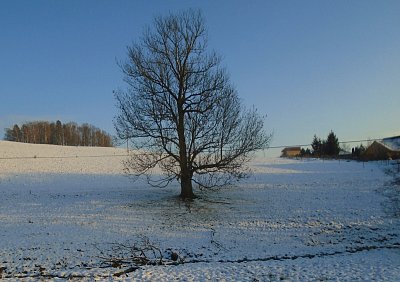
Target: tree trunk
186 186
186 174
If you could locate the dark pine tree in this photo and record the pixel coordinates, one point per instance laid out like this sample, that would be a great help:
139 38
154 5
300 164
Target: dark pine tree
316 146
331 147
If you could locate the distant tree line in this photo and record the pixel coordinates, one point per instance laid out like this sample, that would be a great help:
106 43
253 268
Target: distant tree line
330 148
323 148
56 133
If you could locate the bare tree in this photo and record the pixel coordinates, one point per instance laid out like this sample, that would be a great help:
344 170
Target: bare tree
180 110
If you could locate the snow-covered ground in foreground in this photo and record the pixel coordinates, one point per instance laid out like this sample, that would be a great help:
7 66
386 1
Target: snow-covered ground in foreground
292 220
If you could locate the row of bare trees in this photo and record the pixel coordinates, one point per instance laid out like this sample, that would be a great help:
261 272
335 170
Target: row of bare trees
68 134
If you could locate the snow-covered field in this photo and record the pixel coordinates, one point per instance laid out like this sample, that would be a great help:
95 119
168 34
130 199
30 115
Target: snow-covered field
62 218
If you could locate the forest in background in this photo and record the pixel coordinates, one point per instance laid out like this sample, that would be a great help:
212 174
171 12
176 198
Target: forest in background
57 133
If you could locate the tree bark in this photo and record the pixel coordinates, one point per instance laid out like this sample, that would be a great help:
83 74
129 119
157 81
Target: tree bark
186 173
186 186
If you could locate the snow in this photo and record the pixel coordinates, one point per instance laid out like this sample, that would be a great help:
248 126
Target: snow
24 158
393 143
294 220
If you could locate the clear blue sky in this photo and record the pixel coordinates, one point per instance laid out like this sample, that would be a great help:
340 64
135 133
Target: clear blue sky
311 66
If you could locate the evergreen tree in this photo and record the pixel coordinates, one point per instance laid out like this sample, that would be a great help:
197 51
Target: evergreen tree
59 133
316 146
9 135
331 147
17 133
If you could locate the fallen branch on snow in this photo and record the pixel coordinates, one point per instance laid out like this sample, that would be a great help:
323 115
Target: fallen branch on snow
135 254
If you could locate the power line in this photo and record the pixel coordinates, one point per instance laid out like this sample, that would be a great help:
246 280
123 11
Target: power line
141 154
306 145
358 141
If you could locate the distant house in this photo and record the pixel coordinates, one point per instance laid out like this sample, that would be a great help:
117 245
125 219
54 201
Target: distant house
290 152
388 148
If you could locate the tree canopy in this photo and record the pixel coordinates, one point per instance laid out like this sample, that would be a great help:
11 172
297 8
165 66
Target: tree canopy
181 112
328 148
331 147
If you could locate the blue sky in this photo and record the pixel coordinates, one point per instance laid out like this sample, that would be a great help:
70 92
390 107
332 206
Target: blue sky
311 66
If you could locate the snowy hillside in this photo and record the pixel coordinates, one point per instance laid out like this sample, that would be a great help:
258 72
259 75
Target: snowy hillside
65 218
36 158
